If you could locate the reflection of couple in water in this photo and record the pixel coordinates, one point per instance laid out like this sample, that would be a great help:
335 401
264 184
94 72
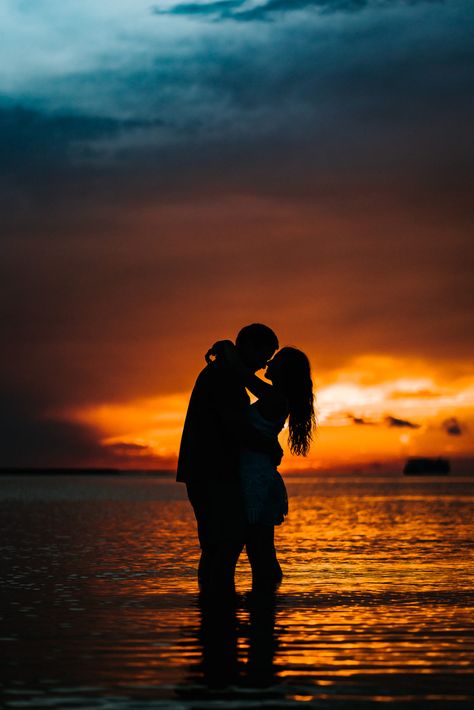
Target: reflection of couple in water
230 452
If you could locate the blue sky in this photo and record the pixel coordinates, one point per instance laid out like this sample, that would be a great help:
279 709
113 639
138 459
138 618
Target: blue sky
211 73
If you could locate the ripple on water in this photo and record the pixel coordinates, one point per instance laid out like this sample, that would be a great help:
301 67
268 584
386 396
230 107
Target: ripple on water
100 609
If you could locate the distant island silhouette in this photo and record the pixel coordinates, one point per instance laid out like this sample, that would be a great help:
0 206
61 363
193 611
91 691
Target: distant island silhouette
77 470
58 470
423 466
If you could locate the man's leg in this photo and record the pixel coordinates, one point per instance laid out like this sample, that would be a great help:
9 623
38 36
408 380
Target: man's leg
229 525
221 531
205 564
224 561
200 503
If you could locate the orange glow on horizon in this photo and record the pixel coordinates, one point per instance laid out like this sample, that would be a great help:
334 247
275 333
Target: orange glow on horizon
377 410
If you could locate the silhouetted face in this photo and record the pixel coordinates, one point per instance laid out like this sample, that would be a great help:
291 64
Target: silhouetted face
274 368
254 356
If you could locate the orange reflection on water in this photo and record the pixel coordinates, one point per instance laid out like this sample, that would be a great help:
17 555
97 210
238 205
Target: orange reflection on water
377 593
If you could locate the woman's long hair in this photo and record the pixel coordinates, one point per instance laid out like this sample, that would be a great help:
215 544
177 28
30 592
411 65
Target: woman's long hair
297 386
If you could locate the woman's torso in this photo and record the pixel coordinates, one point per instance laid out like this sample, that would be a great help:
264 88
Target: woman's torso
264 492
267 427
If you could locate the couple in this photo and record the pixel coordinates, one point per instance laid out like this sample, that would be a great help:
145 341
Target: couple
230 452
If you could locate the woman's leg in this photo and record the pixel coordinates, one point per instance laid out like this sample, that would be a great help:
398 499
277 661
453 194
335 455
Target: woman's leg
260 545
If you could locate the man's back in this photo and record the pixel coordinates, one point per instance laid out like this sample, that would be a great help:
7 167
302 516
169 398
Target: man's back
214 421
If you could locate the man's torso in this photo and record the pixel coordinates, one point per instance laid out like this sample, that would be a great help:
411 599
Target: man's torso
209 445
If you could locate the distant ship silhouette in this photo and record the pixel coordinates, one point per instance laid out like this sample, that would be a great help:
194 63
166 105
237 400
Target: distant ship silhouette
418 466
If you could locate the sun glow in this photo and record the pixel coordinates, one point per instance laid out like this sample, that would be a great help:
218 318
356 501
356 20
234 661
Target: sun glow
143 430
377 410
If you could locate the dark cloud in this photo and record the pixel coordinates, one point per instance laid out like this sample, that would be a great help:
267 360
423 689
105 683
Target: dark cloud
237 10
122 447
137 456
452 426
360 421
303 120
28 135
48 157
339 135
401 423
221 9
387 421
30 437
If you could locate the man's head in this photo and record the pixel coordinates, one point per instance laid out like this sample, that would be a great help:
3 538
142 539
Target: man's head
256 344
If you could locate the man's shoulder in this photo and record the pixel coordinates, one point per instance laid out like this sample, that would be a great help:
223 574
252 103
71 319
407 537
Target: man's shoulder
215 375
206 378
215 383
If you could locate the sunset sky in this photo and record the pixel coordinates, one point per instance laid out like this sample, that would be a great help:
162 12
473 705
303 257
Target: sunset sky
171 171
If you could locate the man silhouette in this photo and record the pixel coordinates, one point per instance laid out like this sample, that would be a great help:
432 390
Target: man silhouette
215 430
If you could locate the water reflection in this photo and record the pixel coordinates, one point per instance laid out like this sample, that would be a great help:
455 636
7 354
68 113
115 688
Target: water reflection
218 636
100 605
237 643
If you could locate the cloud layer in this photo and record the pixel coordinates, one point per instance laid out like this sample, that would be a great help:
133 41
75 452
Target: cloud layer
165 179
270 10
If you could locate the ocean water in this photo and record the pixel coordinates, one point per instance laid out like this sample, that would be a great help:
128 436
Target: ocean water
100 607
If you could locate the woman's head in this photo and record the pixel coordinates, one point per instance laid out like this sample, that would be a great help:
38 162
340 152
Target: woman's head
290 371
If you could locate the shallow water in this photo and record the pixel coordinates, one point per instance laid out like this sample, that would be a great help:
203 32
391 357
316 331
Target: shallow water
100 606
